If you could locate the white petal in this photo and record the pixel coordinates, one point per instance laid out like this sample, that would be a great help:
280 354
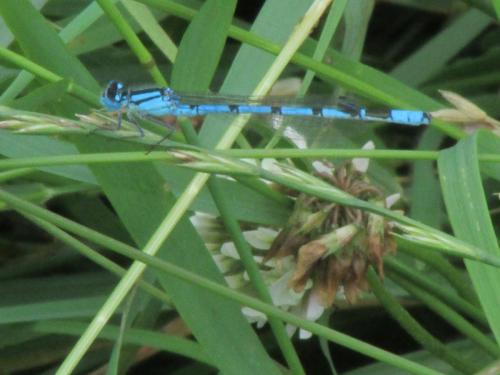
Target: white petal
228 249
254 316
205 221
295 137
314 309
282 294
290 329
362 164
304 335
368 146
392 199
322 167
261 238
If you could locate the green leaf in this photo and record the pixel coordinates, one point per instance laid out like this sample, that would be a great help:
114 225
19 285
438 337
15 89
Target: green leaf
32 31
466 204
202 46
425 191
42 97
357 18
18 146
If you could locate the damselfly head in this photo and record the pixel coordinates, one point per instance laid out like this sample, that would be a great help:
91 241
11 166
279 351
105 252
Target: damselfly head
112 97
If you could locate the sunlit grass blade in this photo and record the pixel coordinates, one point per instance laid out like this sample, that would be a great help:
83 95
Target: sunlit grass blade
152 28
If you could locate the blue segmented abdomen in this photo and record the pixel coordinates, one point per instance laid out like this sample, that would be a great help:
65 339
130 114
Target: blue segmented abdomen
164 102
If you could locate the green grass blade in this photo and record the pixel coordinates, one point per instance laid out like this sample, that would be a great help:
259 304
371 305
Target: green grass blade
436 53
496 6
40 71
152 28
453 318
31 31
330 27
199 53
414 328
357 19
157 340
466 205
135 44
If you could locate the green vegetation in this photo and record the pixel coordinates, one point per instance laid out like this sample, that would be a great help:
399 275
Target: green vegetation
109 260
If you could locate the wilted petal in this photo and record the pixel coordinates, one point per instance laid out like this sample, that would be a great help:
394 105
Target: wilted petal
358 266
328 281
339 238
308 255
351 292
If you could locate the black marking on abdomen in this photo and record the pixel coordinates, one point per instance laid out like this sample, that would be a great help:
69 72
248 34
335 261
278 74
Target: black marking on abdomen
276 110
317 111
233 108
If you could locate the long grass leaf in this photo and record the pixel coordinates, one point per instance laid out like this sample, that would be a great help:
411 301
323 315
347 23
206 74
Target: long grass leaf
466 205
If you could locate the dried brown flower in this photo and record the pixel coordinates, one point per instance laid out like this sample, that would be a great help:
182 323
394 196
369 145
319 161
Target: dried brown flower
334 244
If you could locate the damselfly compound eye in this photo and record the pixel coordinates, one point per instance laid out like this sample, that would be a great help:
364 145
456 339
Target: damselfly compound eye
114 91
112 96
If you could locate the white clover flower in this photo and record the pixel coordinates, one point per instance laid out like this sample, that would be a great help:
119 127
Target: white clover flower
323 251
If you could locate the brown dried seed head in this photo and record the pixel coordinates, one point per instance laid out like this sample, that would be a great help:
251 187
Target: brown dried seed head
308 255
